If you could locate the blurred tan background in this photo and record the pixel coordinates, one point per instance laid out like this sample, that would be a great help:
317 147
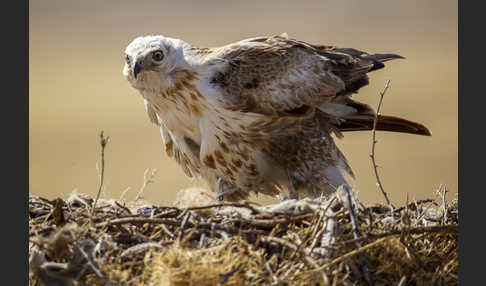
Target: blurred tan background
77 88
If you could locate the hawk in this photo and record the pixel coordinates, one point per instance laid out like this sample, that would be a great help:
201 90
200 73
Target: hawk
257 115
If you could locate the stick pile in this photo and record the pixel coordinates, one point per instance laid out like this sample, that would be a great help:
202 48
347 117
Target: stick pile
337 241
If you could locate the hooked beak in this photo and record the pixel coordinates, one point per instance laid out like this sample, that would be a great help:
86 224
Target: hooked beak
136 69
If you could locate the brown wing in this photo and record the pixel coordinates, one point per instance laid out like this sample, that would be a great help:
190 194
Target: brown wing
281 76
352 66
273 76
277 75
354 71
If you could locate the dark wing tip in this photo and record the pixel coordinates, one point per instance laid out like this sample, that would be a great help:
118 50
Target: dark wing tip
378 60
384 57
424 131
377 65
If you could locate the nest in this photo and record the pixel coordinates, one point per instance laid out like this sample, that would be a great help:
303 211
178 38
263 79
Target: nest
334 241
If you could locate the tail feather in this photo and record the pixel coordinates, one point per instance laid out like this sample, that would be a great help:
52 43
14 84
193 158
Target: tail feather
383 123
357 116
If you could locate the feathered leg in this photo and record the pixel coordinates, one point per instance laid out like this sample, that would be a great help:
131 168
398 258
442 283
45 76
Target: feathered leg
229 192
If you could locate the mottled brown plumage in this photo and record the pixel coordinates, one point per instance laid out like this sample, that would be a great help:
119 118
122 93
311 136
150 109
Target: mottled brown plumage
257 115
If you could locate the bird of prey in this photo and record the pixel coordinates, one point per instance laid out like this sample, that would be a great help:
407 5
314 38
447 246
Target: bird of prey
256 116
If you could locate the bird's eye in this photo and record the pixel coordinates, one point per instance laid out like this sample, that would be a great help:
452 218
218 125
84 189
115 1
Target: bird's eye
127 59
157 56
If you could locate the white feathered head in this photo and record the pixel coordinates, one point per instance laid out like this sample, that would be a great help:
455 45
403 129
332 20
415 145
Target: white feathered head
149 61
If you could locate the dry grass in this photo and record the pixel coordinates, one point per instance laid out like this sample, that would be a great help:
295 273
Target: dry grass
292 243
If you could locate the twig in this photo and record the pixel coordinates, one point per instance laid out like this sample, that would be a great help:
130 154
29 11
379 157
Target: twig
321 216
103 142
329 236
323 228
135 220
270 223
209 226
415 203
201 240
357 235
146 182
402 281
223 278
270 271
317 232
424 210
122 196
450 228
183 227
286 274
123 207
444 203
348 255
411 251
212 228
309 260
167 231
254 210
90 262
372 155
139 248
169 212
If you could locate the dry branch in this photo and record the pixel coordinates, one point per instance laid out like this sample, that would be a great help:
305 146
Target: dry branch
168 244
103 142
373 144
